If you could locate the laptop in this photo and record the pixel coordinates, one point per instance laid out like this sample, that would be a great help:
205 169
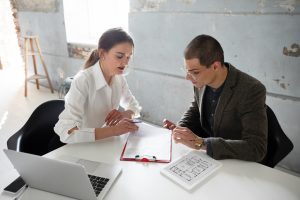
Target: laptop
69 176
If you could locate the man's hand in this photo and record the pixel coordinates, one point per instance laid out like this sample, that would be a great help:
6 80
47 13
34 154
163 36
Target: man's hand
168 124
116 116
185 136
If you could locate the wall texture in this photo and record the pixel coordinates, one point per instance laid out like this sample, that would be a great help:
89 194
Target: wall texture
259 37
45 18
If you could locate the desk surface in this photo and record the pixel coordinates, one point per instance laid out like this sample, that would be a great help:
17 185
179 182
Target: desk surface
235 180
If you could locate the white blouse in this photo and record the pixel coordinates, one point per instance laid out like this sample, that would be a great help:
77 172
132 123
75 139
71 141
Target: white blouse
88 102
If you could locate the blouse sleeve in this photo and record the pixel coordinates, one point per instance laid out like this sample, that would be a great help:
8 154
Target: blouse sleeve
128 101
72 115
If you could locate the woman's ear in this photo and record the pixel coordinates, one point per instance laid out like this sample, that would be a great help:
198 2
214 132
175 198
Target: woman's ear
101 54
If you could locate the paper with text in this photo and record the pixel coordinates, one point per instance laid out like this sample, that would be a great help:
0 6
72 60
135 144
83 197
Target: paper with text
147 142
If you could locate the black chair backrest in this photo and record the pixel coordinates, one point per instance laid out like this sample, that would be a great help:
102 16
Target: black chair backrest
37 135
279 145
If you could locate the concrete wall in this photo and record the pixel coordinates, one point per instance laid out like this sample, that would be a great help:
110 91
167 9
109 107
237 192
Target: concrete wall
45 18
259 37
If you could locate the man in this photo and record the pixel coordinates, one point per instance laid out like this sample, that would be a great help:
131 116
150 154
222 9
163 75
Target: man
228 115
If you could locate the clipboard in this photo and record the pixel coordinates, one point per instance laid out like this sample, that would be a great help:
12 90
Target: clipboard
148 144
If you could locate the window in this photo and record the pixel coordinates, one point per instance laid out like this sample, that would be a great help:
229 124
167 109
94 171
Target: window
85 21
10 55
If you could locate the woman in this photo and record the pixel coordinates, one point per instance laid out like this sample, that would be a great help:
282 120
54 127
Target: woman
91 105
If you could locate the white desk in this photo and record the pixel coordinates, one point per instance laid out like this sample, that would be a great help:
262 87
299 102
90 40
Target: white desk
235 180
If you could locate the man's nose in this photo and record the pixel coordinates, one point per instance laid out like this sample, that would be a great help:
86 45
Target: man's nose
188 76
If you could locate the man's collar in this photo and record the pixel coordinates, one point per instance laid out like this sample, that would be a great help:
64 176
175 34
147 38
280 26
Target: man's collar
231 75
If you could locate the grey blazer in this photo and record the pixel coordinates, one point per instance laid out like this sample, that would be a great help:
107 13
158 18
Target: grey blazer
240 120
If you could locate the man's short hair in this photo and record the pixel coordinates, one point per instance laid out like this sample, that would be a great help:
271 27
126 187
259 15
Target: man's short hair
206 48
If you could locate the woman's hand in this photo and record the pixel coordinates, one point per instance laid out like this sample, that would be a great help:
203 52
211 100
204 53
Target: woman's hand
124 126
185 136
115 116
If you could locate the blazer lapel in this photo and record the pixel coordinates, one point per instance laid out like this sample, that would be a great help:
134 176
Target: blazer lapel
200 101
225 96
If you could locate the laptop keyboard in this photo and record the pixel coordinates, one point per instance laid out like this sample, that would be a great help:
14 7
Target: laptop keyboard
98 183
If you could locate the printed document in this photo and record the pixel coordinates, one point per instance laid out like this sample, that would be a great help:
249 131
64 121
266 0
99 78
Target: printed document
149 142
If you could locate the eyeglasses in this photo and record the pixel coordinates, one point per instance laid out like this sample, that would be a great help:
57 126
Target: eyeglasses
193 74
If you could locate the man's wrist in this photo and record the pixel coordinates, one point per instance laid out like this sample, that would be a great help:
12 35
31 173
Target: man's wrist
204 144
198 143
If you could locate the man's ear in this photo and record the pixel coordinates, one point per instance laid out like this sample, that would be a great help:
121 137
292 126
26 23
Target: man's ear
216 65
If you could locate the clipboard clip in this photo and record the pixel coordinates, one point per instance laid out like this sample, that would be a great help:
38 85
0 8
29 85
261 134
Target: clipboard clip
145 158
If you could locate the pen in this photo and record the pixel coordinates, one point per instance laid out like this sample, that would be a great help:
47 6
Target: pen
136 121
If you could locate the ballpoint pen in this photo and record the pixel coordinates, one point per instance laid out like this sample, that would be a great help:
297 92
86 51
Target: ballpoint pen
135 120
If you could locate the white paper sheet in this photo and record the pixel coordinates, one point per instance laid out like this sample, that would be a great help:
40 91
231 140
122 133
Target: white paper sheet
149 141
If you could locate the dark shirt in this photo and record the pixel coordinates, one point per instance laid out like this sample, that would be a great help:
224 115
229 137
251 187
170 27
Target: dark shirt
210 102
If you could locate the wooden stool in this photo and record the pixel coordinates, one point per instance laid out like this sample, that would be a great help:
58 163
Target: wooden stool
29 40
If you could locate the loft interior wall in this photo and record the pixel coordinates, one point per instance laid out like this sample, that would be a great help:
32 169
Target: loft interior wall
45 18
258 37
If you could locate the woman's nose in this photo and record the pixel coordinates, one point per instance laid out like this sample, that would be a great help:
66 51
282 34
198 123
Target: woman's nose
125 61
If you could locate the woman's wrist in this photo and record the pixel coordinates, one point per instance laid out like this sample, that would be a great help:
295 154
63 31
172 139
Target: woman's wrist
105 132
129 114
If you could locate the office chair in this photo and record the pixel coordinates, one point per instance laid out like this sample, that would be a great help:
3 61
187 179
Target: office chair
279 145
37 135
